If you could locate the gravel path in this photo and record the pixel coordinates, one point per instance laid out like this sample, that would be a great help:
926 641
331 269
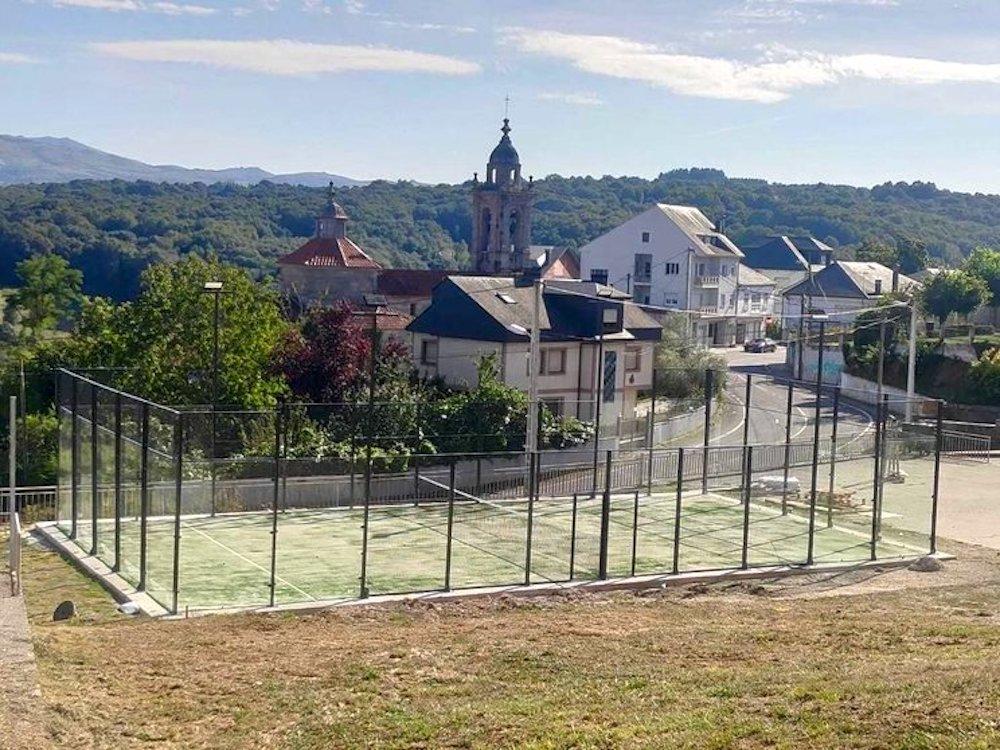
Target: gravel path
20 698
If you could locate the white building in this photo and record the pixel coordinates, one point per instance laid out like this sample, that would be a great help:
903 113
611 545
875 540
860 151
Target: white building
673 257
593 343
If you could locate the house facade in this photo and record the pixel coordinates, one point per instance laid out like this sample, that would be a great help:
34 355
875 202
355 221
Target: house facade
593 346
675 258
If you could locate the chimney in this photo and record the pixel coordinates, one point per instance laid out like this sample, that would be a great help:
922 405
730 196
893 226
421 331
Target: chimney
895 279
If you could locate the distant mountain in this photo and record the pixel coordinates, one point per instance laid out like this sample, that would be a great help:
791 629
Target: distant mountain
30 160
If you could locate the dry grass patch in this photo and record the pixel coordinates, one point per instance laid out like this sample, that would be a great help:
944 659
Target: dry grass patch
747 667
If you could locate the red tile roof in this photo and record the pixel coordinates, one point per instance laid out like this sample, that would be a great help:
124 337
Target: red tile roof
330 252
387 319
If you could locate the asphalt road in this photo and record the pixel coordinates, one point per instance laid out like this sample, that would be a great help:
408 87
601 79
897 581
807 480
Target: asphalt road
769 401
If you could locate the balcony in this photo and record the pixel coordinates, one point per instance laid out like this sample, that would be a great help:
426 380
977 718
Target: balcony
706 281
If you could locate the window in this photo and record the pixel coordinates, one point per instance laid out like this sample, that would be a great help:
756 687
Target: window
645 237
701 269
506 299
633 359
554 405
553 362
722 301
609 316
609 376
428 352
673 269
670 301
599 275
641 296
643 266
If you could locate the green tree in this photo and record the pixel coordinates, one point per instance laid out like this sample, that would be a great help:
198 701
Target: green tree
163 339
984 263
877 251
911 254
953 292
681 365
49 291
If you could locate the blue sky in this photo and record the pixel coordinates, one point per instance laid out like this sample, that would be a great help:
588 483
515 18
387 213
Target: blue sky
852 91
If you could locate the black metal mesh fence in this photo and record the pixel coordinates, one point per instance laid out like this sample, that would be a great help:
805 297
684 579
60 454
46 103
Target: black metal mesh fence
210 509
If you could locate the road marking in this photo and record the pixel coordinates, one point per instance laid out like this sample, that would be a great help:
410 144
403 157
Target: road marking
229 549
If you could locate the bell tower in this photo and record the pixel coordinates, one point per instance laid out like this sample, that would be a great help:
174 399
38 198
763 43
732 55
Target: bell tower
501 212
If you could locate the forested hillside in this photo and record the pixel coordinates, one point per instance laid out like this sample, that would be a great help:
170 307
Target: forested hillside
112 230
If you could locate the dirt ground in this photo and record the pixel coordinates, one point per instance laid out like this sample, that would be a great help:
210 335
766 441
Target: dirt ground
865 659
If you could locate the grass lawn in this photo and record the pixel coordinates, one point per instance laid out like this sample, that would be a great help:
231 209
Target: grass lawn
897 660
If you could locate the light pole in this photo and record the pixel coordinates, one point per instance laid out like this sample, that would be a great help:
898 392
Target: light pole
215 289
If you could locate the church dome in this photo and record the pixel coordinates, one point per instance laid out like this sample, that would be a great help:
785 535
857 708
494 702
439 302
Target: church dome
505 153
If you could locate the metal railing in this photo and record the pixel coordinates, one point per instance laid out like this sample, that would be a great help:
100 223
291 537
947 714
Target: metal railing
33 503
14 553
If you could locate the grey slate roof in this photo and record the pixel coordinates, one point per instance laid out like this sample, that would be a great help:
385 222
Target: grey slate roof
855 279
700 231
788 253
492 308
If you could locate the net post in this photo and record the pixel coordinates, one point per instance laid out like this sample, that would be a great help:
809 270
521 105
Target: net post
363 591
677 510
788 445
143 494
747 479
878 463
602 567
652 438
416 480
276 499
57 396
707 436
118 483
572 539
74 456
94 458
451 525
178 489
833 456
532 489
479 474
938 438
635 529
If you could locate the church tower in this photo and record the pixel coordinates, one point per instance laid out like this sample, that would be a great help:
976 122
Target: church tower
501 212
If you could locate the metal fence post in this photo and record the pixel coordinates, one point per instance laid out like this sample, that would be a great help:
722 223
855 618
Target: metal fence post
178 488
118 482
883 455
602 565
451 526
416 480
11 506
572 539
788 445
833 456
94 459
364 526
143 494
635 529
677 509
815 456
709 388
747 479
532 489
74 457
276 499
748 398
938 436
875 481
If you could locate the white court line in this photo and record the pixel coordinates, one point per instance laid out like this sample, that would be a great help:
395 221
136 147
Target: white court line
248 560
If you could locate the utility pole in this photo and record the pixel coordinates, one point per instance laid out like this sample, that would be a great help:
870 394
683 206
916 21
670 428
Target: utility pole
911 363
881 354
534 358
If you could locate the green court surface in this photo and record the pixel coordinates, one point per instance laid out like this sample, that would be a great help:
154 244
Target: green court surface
225 560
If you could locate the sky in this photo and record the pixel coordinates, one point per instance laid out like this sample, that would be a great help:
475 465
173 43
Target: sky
839 91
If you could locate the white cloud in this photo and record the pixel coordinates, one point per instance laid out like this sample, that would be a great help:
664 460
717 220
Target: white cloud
354 7
115 5
286 57
160 6
16 58
429 26
577 99
771 80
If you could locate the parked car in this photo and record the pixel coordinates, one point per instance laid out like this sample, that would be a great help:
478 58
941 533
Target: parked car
758 346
